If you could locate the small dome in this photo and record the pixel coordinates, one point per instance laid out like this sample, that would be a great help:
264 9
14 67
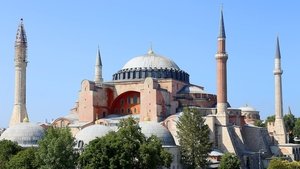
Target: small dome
191 89
247 108
25 134
153 128
91 132
151 60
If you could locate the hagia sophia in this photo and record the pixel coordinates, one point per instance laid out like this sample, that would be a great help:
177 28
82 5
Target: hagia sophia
154 90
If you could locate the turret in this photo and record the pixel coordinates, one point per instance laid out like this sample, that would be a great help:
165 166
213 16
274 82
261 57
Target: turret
98 69
19 110
221 58
279 133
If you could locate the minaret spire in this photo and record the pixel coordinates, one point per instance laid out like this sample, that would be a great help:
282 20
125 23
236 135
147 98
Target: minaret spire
221 58
98 69
280 133
222 27
19 110
277 55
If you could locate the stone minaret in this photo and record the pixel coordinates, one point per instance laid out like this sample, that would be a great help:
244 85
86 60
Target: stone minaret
98 69
279 128
19 111
221 57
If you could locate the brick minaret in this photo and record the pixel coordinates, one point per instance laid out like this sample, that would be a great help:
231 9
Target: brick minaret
98 69
19 110
279 133
221 57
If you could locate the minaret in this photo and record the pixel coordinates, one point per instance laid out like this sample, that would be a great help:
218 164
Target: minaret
98 69
19 111
279 133
221 57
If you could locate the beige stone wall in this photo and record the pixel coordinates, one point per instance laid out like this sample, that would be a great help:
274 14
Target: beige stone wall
86 102
210 121
149 101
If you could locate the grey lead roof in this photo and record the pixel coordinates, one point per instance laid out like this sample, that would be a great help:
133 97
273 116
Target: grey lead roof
222 27
277 55
25 134
151 60
21 35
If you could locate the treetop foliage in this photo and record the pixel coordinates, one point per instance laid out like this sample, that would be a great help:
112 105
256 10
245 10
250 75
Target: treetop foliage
230 161
126 148
194 140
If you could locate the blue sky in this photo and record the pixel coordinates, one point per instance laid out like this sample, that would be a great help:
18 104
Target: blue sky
63 37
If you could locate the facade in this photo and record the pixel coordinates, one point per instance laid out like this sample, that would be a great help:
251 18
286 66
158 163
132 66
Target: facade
154 90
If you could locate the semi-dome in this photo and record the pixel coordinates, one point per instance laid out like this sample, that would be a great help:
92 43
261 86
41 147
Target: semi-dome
92 132
25 134
151 65
153 128
151 60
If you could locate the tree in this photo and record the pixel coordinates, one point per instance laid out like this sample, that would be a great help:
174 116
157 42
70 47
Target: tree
56 149
25 159
126 148
230 161
194 139
270 119
278 163
289 122
296 130
7 150
259 123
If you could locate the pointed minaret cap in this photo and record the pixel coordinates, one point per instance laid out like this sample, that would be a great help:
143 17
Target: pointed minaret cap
98 58
290 112
277 55
21 35
222 27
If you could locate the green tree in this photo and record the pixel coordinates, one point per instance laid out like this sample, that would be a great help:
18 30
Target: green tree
278 163
56 149
126 148
25 159
289 122
270 119
259 123
7 150
296 129
230 161
194 139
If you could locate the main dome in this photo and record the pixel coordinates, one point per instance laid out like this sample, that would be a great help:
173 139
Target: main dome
151 60
151 65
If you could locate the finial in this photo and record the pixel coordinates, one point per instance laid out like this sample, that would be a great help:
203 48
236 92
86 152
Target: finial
25 120
150 52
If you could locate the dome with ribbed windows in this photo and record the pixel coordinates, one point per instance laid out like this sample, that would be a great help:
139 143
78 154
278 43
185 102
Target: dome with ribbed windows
151 65
151 60
25 134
